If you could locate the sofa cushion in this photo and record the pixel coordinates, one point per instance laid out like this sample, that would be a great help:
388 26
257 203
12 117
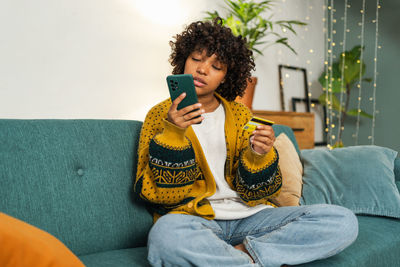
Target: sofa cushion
377 244
360 178
292 172
74 179
397 169
25 245
278 129
121 258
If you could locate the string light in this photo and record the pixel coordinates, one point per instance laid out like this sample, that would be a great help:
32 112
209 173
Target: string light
375 73
329 92
361 73
340 128
326 67
308 61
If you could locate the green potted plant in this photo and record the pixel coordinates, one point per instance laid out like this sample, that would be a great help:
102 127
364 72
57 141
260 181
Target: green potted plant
351 75
248 18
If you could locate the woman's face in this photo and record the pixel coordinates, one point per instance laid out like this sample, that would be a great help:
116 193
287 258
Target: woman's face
208 72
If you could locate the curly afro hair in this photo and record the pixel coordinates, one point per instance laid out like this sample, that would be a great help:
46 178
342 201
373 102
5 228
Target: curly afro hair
219 40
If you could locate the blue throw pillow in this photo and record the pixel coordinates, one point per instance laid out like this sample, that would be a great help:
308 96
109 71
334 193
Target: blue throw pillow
360 178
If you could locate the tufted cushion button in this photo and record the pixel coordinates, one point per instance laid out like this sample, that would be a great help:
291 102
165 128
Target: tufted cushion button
80 172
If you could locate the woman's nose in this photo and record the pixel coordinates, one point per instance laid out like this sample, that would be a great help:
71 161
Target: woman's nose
202 68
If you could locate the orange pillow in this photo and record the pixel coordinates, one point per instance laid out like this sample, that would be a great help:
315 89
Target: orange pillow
292 172
22 244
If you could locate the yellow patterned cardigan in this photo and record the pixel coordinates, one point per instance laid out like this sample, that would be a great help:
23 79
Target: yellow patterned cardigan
173 175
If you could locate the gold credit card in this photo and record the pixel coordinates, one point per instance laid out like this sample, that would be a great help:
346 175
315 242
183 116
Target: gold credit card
254 122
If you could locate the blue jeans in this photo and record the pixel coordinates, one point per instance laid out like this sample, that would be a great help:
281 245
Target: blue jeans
273 237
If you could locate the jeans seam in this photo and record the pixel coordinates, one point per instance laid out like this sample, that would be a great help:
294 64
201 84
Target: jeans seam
218 232
253 254
270 228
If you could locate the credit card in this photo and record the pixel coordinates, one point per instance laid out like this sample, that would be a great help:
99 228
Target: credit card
254 122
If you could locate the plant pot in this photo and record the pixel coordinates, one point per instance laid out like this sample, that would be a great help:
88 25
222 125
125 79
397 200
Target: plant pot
247 98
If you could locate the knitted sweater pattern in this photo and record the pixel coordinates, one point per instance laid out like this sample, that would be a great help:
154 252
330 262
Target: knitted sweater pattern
173 175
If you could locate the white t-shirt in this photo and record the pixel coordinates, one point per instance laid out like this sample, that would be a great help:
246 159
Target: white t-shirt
226 203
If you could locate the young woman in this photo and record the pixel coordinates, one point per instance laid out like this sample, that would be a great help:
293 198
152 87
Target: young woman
209 184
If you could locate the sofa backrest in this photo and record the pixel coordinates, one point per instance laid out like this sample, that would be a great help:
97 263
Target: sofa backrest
74 179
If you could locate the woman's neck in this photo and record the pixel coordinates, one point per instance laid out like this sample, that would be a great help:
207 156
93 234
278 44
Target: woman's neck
210 103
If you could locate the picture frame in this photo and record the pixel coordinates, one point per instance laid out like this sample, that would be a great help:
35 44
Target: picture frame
293 87
300 105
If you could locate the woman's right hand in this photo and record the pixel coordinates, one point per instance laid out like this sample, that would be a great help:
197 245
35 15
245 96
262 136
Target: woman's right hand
184 117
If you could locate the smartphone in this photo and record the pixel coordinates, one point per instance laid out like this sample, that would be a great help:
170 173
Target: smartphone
182 83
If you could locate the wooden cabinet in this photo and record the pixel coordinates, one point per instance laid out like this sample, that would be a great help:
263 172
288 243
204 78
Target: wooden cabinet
302 124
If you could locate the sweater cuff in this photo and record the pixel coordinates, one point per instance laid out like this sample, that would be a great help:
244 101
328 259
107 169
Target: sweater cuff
172 135
256 160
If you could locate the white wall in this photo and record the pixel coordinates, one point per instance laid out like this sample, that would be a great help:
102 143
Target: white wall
106 59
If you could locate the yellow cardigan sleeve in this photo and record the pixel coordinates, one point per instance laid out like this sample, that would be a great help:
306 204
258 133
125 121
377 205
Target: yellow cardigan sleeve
258 177
167 167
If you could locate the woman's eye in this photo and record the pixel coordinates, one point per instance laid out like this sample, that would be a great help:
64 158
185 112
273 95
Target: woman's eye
195 59
216 67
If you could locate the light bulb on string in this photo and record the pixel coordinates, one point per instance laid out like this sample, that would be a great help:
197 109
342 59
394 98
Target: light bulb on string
375 112
343 54
328 22
362 11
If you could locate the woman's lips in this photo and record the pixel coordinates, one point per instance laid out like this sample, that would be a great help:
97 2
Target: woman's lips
199 82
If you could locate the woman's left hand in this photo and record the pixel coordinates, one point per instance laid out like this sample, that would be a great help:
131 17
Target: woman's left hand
263 139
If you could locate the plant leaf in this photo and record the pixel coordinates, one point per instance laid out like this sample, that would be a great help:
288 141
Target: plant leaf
335 102
335 78
249 19
285 43
351 61
354 112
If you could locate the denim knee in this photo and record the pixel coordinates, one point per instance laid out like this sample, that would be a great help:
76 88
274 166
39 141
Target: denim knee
350 221
162 232
345 223
159 241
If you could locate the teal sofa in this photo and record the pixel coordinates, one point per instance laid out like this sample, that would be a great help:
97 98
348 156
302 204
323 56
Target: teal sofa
74 179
